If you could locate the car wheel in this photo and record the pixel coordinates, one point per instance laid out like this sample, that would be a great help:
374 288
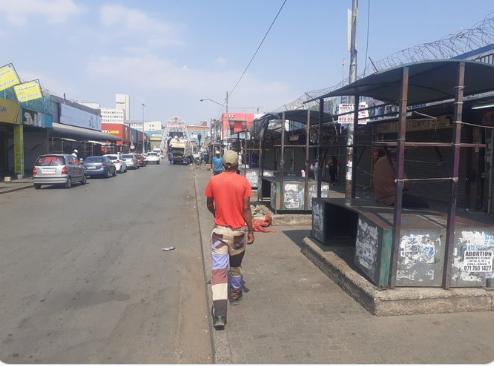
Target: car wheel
108 173
37 186
68 183
84 179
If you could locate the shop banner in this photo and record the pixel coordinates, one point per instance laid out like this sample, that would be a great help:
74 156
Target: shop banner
28 91
9 111
8 77
36 119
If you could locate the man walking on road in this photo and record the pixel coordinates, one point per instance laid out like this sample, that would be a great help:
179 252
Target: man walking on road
217 163
228 199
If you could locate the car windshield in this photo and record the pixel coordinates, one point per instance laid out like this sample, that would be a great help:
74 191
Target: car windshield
94 159
112 157
50 160
128 156
153 154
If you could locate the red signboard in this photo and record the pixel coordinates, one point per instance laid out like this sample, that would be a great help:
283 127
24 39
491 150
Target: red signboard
236 122
117 129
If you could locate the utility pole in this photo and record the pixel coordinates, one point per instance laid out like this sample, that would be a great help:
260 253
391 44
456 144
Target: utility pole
143 133
353 77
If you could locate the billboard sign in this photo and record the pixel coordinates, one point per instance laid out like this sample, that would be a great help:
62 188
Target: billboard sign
79 118
8 77
28 91
348 118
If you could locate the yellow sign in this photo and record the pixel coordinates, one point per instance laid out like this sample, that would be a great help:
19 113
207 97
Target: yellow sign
9 111
8 77
28 91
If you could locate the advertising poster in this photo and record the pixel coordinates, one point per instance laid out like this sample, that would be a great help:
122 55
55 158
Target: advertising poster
8 77
28 91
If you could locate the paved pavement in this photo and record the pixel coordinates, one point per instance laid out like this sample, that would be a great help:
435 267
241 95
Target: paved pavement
15 184
292 313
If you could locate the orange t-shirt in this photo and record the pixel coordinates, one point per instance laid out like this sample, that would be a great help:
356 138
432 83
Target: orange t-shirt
384 181
228 191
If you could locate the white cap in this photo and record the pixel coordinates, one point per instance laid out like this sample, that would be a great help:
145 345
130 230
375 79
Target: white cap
76 151
217 151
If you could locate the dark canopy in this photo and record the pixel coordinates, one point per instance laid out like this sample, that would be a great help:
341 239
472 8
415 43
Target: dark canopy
260 128
80 134
428 81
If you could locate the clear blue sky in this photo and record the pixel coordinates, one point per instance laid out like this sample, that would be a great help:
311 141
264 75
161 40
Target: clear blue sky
169 54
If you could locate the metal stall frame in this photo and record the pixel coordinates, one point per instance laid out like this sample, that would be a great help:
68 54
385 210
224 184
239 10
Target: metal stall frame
421 83
305 116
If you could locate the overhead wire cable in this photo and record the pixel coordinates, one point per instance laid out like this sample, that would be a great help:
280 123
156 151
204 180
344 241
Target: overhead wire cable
255 53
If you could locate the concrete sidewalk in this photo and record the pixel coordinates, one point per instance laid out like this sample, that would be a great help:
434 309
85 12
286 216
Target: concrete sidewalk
15 184
293 313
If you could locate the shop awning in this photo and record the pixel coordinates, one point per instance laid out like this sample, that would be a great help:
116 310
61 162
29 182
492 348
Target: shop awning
80 134
428 81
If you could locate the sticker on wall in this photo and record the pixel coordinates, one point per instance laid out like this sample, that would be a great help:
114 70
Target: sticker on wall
418 248
366 245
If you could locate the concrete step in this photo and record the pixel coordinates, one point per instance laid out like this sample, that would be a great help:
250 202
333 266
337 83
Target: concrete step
336 263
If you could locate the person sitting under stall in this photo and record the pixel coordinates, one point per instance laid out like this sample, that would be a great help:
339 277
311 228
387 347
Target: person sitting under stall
383 179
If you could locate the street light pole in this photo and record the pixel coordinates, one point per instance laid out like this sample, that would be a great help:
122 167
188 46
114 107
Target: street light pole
143 134
202 100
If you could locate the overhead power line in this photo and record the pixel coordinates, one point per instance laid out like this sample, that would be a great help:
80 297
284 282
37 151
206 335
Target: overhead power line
255 53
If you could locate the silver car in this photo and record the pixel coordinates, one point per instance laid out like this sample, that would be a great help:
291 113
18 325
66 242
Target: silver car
131 161
61 169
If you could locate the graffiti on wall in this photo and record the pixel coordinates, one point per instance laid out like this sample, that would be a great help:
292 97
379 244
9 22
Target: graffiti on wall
417 255
366 246
252 176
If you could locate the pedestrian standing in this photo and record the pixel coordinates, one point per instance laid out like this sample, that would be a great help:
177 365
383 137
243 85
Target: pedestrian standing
217 163
228 199
333 169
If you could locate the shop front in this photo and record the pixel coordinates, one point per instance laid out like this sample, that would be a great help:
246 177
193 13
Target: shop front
77 127
11 138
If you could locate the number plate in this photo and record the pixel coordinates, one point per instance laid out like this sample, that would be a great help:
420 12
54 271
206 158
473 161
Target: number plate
49 170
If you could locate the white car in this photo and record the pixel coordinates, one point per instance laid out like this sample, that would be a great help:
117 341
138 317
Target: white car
118 161
153 157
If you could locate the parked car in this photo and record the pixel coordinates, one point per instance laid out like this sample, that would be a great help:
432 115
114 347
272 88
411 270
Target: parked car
153 158
141 159
60 169
131 161
100 166
120 164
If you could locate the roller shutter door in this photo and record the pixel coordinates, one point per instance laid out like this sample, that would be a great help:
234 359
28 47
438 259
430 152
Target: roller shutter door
423 162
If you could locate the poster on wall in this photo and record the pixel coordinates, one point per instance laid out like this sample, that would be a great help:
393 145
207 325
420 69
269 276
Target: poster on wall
363 115
478 261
